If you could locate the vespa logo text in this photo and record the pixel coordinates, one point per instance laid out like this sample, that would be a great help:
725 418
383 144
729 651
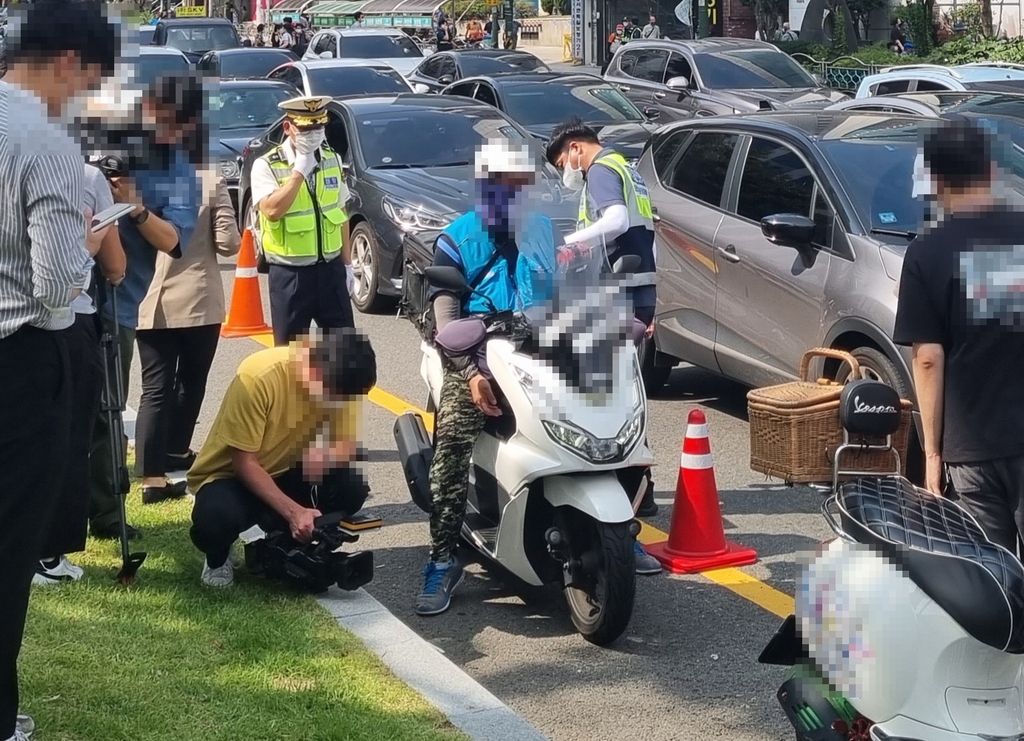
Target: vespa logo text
859 407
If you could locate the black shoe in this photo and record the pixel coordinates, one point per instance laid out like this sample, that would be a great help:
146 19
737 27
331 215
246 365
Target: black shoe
113 532
157 494
180 462
648 507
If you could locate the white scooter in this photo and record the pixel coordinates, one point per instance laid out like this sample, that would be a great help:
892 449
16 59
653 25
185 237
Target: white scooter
910 625
553 479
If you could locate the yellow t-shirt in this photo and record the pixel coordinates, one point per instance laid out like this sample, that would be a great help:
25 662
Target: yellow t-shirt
267 411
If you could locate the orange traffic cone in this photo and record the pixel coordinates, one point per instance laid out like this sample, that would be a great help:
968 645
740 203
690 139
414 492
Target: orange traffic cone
696 540
245 317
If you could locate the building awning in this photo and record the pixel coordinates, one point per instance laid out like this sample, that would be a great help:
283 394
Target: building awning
287 8
401 7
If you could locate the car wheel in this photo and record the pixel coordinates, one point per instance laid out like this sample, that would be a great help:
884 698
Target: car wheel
654 376
876 365
365 265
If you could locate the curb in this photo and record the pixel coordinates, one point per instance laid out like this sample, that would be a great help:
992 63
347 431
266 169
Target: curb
422 666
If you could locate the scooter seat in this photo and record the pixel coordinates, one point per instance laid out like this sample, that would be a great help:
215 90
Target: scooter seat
944 551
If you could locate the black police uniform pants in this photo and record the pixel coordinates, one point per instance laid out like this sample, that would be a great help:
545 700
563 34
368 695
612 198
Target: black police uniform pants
225 509
35 411
300 295
993 491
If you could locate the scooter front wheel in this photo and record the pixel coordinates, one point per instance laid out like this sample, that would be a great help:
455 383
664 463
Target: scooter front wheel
600 577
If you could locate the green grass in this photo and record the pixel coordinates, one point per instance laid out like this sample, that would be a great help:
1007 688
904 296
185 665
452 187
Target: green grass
167 659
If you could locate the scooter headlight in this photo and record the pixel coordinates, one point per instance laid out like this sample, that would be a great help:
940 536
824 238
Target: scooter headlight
595 449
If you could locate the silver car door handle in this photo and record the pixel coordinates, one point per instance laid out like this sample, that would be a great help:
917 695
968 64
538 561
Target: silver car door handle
728 252
659 96
623 88
654 214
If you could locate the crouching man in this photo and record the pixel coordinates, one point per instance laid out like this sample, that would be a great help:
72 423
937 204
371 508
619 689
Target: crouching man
263 464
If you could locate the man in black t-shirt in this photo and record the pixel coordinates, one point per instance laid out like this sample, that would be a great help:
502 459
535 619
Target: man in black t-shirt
961 307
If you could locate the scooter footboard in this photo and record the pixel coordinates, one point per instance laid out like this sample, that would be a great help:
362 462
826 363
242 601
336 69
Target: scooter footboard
599 495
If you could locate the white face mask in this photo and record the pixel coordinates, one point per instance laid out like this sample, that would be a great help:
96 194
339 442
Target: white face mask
572 177
307 142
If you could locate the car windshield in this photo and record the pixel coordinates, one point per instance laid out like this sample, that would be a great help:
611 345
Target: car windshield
253 64
253 108
379 47
751 70
341 81
148 67
539 103
201 38
428 138
480 64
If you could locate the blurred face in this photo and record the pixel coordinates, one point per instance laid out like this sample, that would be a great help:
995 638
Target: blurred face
163 121
653 20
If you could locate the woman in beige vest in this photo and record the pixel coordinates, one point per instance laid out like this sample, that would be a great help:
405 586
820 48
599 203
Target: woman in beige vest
179 325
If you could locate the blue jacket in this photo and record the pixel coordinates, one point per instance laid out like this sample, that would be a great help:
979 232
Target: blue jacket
466 244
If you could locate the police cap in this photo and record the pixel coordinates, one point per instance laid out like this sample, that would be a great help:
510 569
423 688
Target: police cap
306 110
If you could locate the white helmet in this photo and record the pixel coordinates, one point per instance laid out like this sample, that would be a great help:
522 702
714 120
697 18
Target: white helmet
504 156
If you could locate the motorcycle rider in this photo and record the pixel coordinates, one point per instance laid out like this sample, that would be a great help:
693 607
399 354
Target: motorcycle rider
614 207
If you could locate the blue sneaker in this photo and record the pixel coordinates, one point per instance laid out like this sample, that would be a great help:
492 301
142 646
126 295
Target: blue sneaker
646 564
439 581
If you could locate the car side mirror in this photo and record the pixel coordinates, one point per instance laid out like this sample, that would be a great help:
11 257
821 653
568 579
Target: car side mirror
682 84
419 87
788 230
446 79
819 79
626 265
326 55
447 278
651 114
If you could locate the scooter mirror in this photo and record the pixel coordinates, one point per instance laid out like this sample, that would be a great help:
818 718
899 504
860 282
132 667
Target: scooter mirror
449 279
626 264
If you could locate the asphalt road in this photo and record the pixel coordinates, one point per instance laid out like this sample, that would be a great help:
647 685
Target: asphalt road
686 667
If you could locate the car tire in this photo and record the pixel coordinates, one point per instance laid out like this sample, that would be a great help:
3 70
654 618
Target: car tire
879 368
365 263
654 376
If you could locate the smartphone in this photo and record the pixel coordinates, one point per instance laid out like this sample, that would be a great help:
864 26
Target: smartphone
108 216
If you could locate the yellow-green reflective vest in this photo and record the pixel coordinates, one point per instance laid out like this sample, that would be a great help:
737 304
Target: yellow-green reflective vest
311 230
638 202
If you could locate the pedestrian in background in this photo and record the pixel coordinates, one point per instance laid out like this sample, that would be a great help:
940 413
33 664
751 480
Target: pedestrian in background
652 30
56 52
166 199
70 524
177 334
960 310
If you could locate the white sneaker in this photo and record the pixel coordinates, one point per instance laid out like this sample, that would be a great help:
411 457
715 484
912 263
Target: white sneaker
64 570
25 726
223 576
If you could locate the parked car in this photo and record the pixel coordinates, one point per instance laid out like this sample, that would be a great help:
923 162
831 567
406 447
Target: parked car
540 101
934 105
390 46
196 36
340 78
407 161
714 77
244 63
994 76
443 68
241 111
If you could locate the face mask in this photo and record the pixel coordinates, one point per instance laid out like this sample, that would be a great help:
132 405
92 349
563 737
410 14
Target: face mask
307 142
496 203
572 177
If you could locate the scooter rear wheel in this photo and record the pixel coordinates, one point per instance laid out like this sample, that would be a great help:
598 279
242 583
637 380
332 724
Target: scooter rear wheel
600 581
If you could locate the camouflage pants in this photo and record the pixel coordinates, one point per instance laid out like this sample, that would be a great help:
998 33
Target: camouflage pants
459 423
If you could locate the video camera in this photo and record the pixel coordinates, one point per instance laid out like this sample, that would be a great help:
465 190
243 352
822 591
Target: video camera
315 566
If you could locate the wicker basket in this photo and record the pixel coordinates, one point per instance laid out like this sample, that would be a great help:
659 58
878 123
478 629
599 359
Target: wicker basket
795 428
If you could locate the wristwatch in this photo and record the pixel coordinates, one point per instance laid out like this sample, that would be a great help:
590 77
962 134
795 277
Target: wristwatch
141 218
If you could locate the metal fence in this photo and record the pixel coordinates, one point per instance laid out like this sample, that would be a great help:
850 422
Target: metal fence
837 75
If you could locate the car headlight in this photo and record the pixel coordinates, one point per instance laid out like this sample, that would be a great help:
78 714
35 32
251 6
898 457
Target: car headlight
229 169
413 218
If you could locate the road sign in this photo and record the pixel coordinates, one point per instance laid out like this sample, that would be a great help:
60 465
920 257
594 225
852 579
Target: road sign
190 11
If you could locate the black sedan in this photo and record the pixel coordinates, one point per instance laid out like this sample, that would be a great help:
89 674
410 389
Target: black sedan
539 102
241 110
245 63
443 68
407 161
340 78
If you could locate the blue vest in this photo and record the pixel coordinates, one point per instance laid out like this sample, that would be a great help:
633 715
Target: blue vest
534 267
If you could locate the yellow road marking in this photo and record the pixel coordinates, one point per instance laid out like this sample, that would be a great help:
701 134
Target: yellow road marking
736 581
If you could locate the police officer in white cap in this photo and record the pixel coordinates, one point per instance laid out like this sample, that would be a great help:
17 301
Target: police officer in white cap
299 194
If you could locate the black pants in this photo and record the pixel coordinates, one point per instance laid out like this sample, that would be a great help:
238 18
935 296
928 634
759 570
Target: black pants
104 506
993 491
35 408
299 296
70 524
225 509
175 366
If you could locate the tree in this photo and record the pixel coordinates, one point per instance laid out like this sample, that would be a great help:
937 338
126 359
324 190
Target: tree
860 13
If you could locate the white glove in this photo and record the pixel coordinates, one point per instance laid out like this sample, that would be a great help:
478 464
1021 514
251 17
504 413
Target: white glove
350 279
304 164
